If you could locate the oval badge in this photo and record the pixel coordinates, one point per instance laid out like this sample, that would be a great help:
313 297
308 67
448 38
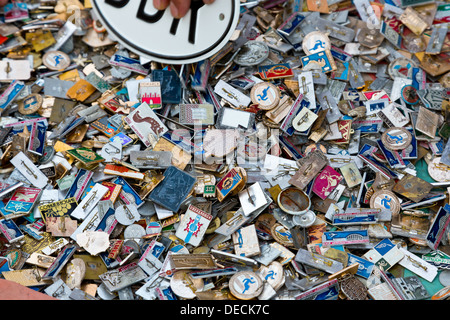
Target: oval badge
157 36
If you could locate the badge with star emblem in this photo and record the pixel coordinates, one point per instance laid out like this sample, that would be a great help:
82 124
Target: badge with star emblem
22 201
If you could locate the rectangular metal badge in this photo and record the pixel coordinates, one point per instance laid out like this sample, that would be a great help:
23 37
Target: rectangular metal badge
384 254
392 116
80 183
390 34
412 187
196 114
170 85
233 178
437 39
413 21
28 169
90 223
365 266
322 60
326 182
230 259
10 94
128 195
193 225
89 202
123 277
105 127
326 291
427 122
85 155
128 63
318 261
231 94
306 88
334 238
26 277
54 246
10 230
438 227
117 170
299 104
438 259
173 189
246 242
150 93
61 208
351 174
61 260
151 159
355 216
275 71
144 122
192 261
417 265
37 138
309 167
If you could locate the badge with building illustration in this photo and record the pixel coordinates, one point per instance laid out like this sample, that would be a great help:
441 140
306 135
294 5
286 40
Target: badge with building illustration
150 93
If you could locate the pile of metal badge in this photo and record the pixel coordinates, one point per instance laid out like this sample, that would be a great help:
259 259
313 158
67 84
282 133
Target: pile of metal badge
307 159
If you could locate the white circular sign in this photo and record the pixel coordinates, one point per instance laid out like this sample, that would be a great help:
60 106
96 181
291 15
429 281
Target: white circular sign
156 35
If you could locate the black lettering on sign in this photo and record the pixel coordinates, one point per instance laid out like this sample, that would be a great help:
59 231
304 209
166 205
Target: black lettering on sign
195 6
150 18
153 18
117 3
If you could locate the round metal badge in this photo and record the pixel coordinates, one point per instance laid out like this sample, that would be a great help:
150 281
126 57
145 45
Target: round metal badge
315 41
127 214
385 199
305 220
401 68
282 235
439 171
409 94
202 32
134 231
442 294
47 155
147 209
181 284
104 293
370 38
252 53
294 201
444 278
396 138
30 104
273 274
56 60
266 95
264 223
246 285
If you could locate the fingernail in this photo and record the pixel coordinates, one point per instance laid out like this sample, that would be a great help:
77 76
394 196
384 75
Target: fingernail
174 10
